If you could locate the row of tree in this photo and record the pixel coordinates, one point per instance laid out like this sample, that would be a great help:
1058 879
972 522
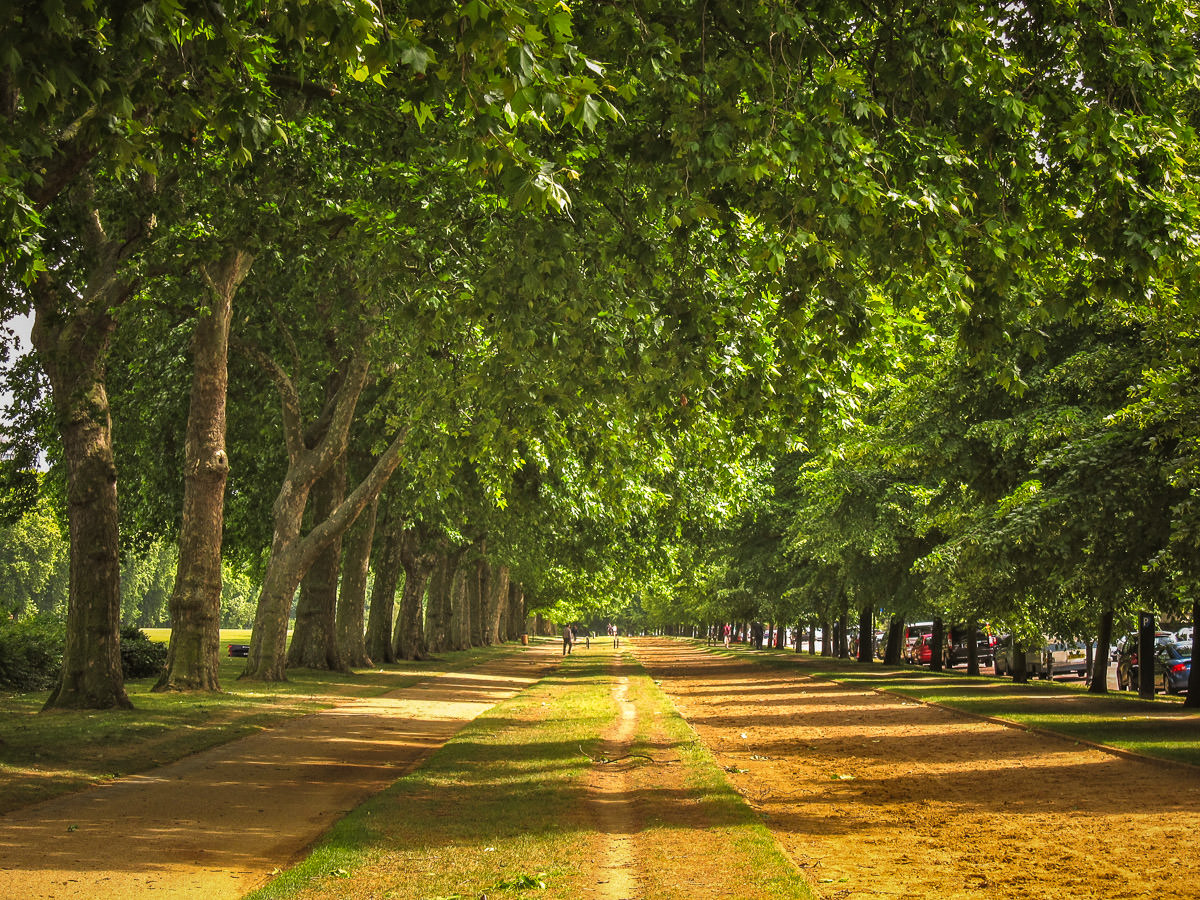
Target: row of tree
523 301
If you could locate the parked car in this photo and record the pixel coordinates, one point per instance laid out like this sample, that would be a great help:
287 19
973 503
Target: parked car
1065 658
1054 657
912 637
985 648
923 650
1172 667
1125 642
1034 660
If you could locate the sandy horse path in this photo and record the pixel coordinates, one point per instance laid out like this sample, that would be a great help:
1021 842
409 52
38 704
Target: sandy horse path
217 824
877 797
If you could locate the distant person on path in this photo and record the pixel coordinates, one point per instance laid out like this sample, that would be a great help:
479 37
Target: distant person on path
612 629
587 638
728 633
568 639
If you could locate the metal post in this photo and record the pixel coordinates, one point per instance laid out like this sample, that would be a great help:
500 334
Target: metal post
1146 655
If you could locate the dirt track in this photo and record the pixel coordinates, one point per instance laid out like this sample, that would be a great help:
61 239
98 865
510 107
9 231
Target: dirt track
879 797
217 824
871 795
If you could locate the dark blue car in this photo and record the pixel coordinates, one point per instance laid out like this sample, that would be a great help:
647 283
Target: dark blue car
1172 668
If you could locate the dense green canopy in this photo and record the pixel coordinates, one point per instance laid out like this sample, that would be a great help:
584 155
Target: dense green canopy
748 311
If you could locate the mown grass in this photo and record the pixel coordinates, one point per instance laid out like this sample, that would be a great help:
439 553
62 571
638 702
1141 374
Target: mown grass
1161 728
46 754
500 810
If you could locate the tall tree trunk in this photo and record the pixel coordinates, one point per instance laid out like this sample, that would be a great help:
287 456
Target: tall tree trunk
827 638
383 592
938 644
314 638
441 611
477 582
193 655
972 647
292 554
72 344
352 595
1020 672
497 602
866 634
460 619
418 561
895 641
516 611
1099 675
843 643
1193 695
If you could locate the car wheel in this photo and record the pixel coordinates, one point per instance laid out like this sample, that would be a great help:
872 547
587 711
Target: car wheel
1166 685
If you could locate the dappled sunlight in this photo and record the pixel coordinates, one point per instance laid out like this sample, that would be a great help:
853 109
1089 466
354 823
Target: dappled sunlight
883 795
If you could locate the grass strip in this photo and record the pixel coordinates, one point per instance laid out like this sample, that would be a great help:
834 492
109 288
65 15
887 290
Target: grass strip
1162 728
503 810
43 755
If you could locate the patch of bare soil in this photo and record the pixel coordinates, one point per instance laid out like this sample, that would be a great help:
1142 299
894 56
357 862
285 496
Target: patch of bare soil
219 823
876 796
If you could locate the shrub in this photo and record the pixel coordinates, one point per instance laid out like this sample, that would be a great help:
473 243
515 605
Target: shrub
140 656
31 652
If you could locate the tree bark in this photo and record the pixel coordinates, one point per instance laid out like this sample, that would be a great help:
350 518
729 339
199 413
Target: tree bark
441 609
352 595
477 581
1020 672
1193 696
938 643
314 638
292 554
516 611
460 620
383 593
1098 683
866 634
895 642
972 647
418 562
193 655
72 337
827 638
497 601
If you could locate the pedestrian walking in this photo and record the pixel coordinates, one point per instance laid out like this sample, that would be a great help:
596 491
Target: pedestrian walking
568 639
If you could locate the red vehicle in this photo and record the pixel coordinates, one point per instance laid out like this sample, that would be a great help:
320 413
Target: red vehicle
923 650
